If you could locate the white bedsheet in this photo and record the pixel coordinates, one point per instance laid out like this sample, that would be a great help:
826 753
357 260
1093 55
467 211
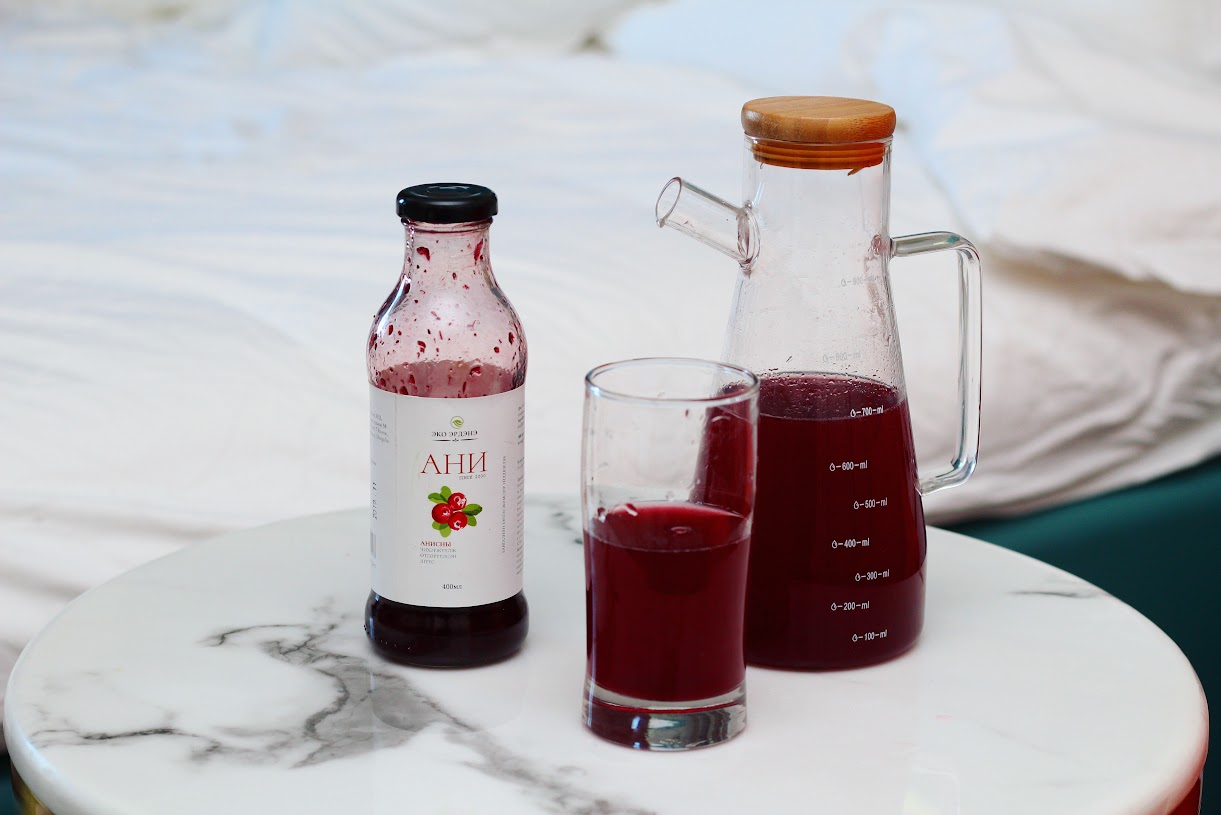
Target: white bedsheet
190 254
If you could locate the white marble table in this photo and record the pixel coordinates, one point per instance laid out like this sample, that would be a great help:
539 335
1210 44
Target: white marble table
234 677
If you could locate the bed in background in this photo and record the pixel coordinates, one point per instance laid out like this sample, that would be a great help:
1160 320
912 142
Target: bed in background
196 225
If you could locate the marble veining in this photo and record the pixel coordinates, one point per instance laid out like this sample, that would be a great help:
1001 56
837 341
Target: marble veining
1061 584
371 708
1071 593
563 515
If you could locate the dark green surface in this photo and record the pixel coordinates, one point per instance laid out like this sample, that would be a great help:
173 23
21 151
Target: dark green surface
8 805
1157 547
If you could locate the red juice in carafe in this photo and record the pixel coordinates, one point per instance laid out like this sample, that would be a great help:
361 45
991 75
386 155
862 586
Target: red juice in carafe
667 621
837 551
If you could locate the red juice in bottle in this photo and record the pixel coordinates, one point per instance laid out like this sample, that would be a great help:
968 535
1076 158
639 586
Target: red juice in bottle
447 367
664 600
837 552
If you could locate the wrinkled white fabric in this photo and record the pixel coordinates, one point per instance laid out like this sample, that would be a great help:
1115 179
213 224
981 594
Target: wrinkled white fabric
305 33
191 252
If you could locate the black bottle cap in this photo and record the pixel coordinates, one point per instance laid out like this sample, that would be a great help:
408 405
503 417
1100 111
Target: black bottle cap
446 203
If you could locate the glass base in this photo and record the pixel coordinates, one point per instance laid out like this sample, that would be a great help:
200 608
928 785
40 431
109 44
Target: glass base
647 725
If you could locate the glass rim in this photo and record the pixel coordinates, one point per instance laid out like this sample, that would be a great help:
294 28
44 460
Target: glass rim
749 387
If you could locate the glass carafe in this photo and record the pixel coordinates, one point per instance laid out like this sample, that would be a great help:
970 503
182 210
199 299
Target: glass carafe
837 555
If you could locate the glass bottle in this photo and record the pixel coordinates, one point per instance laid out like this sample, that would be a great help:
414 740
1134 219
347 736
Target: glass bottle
447 367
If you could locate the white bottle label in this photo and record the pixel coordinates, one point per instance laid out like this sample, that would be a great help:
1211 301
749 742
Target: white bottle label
448 479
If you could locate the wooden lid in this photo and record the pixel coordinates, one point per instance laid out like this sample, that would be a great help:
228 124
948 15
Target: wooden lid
818 132
817 119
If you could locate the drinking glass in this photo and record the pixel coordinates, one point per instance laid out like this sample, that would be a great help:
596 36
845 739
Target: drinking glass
668 485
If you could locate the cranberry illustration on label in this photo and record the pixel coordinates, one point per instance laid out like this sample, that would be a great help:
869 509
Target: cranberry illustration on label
452 511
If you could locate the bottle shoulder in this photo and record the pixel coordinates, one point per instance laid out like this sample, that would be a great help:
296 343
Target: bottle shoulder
446 346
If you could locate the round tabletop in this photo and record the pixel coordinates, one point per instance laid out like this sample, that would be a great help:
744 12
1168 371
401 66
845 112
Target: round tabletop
234 676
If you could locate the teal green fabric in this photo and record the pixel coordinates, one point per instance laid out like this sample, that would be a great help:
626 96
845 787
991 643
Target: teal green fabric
8 804
1157 547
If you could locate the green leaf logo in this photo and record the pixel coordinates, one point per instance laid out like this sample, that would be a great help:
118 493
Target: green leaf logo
456 423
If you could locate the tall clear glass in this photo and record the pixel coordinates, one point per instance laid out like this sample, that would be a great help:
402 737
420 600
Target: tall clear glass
668 476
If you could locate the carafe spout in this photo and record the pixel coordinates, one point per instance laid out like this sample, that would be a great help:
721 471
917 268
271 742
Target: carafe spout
709 219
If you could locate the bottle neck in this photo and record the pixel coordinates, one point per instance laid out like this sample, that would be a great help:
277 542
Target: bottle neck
447 256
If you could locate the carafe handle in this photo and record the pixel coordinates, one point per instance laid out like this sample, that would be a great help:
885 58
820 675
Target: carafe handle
970 338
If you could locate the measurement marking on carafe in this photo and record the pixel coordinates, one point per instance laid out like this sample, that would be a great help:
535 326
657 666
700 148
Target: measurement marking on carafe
842 356
870 503
849 605
865 411
869 636
848 466
858 280
850 543
874 575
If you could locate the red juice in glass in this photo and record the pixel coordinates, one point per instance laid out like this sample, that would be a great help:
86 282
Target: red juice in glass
666 550
836 574
664 600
